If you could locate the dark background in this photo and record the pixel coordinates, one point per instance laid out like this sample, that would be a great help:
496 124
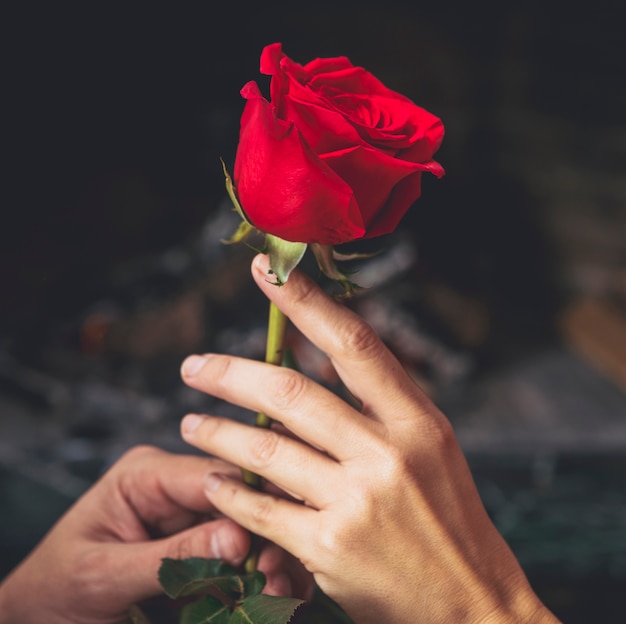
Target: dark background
116 116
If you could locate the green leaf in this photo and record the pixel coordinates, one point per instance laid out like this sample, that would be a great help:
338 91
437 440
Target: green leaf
208 610
253 583
284 256
264 609
184 577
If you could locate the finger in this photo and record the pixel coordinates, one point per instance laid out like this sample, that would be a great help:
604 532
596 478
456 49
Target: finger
136 565
163 489
293 466
290 525
361 359
312 412
286 576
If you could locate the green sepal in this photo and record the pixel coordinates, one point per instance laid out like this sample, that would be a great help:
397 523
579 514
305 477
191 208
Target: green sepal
232 193
243 231
284 256
341 257
325 256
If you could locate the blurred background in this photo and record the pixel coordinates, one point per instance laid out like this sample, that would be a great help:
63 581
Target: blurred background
503 291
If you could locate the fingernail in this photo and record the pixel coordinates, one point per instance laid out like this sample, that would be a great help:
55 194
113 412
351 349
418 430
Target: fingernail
280 585
261 263
212 481
224 545
191 422
193 364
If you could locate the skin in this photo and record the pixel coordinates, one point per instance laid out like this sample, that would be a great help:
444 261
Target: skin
104 553
381 506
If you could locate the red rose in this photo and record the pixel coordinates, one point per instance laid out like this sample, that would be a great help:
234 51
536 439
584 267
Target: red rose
335 156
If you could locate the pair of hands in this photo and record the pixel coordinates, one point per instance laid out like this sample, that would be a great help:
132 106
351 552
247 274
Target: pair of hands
377 503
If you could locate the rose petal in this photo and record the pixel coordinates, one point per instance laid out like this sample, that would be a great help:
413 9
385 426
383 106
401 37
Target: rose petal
328 65
373 191
324 129
402 197
354 80
283 187
270 58
330 116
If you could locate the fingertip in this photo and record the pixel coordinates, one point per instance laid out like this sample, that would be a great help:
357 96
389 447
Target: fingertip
278 585
192 365
212 482
190 423
261 266
230 542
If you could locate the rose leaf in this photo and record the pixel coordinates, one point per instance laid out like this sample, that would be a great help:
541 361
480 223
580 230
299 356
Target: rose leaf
184 577
207 610
263 609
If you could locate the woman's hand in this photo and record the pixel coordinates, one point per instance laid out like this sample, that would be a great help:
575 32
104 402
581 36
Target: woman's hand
386 514
104 554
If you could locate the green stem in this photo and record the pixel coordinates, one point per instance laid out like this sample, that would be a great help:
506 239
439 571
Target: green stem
274 350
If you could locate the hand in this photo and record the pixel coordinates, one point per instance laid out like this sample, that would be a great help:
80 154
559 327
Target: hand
104 554
390 522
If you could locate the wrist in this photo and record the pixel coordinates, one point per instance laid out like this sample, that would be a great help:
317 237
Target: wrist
521 607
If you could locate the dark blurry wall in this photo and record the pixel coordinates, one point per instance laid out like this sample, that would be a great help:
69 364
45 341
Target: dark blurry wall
117 114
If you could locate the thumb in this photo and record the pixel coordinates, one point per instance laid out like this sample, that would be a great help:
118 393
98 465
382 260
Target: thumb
138 563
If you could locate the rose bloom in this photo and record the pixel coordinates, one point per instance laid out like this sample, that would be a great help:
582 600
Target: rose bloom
335 156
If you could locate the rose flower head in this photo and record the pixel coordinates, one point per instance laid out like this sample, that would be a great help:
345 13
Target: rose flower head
334 156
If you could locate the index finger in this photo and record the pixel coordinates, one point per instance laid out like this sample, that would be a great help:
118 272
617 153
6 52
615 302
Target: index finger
164 489
368 369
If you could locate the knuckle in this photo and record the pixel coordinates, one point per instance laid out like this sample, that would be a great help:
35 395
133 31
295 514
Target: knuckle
394 465
264 448
361 510
139 452
329 539
336 538
87 572
262 511
439 434
288 387
358 339
180 549
132 461
219 369
303 295
195 544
